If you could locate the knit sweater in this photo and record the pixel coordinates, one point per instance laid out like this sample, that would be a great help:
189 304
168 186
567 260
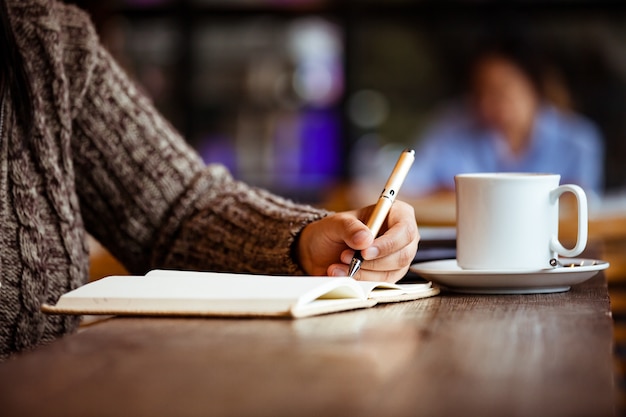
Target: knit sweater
102 160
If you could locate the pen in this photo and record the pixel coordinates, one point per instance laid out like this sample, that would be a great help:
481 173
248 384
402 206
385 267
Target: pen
385 201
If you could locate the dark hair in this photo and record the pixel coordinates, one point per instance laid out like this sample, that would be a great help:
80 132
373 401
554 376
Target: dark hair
13 75
510 39
518 50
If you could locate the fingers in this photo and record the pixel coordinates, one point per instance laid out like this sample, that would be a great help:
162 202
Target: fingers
391 254
346 228
341 270
327 245
386 268
399 240
322 242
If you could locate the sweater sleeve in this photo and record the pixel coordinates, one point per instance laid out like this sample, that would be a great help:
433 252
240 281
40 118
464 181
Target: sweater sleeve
148 197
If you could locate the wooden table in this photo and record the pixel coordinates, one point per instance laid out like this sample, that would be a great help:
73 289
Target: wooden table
517 355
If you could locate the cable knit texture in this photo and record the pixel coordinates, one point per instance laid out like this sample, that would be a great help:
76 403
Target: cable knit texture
103 161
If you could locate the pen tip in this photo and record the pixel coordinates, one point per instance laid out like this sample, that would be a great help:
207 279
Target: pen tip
354 267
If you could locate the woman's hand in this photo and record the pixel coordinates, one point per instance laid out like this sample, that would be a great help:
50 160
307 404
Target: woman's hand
327 246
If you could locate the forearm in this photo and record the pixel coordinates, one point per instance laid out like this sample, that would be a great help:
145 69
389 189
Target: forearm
226 225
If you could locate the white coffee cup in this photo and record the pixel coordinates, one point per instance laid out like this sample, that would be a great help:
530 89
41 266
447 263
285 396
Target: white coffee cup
510 221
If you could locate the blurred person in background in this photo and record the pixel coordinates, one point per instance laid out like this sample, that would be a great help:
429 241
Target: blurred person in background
507 123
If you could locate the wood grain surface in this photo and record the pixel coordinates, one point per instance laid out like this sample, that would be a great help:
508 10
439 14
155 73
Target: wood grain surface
515 355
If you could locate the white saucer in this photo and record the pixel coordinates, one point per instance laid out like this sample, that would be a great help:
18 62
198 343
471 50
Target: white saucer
448 274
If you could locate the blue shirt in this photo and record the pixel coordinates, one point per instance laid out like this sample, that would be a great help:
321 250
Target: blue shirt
560 143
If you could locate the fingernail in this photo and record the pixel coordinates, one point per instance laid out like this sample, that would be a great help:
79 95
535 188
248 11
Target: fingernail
361 235
371 253
338 272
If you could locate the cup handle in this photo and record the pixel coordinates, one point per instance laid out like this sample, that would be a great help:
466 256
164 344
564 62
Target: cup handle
581 241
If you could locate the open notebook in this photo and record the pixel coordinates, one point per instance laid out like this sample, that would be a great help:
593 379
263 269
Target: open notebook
187 293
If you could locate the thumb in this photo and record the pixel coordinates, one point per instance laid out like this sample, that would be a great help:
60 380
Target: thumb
358 236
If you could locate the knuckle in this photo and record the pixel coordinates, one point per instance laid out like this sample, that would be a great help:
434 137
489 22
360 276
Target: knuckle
412 233
406 256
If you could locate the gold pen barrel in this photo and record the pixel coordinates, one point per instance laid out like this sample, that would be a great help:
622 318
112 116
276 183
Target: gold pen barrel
385 201
399 173
379 214
388 196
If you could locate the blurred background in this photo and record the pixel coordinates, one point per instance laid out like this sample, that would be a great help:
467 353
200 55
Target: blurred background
305 96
